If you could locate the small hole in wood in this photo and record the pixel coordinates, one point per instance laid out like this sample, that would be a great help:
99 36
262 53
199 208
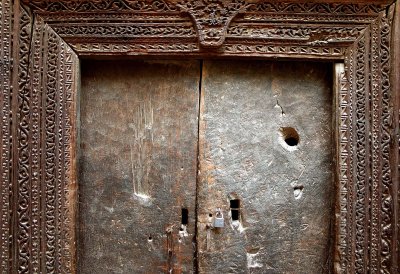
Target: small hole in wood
235 205
185 216
290 136
235 214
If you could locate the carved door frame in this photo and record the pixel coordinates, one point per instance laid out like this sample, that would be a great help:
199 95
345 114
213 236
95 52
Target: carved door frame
42 41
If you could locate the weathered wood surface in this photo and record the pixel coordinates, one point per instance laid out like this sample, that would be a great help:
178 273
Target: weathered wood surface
39 85
286 193
138 163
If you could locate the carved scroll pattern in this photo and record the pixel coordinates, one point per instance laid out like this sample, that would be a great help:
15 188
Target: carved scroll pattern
50 164
387 196
24 151
36 66
210 25
304 32
322 8
59 104
126 30
98 6
368 144
192 48
44 232
353 180
44 182
361 155
5 133
165 6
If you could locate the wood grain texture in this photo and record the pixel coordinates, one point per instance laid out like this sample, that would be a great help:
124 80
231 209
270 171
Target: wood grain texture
358 33
285 192
138 163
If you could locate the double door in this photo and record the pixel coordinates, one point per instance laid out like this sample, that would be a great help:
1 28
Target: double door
213 166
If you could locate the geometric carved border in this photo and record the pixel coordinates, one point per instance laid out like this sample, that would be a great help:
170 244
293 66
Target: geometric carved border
39 76
42 150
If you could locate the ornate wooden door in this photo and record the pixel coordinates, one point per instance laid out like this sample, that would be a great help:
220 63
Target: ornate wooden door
166 144
42 45
138 166
266 161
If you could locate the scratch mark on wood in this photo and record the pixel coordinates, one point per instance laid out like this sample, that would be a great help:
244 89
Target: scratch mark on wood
140 147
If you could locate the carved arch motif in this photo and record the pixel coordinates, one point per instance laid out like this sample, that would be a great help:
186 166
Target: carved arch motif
39 83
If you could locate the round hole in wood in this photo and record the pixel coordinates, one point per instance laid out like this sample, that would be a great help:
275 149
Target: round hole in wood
290 136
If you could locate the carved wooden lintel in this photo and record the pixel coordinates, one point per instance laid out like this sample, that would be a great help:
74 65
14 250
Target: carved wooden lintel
39 77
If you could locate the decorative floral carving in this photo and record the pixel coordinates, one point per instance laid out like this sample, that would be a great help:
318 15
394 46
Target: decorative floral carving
212 18
361 159
126 30
102 5
24 152
316 35
317 8
134 49
385 180
36 74
264 50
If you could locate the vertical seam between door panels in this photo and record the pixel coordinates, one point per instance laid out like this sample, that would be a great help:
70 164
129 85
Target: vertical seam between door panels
195 238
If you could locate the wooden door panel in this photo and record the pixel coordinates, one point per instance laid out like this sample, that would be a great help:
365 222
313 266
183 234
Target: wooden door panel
282 193
138 165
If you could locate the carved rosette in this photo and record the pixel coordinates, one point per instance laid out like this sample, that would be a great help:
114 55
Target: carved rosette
212 18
